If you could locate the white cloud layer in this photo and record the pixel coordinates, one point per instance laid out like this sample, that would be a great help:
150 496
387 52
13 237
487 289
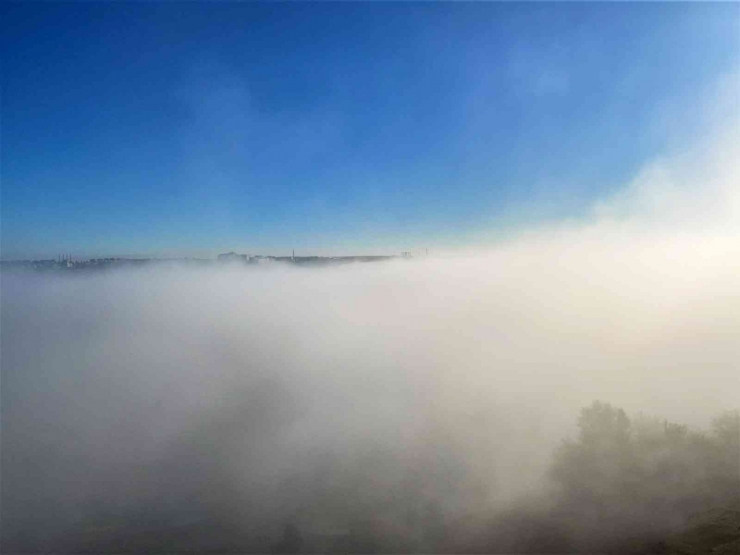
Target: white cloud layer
242 380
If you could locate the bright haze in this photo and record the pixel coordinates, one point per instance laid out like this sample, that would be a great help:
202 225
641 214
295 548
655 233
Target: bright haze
566 177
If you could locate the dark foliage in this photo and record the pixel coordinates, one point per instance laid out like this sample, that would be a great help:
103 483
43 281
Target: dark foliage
624 485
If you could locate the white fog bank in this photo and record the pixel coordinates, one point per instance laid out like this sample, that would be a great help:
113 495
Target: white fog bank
260 394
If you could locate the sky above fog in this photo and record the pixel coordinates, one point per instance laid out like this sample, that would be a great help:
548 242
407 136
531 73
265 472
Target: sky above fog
351 128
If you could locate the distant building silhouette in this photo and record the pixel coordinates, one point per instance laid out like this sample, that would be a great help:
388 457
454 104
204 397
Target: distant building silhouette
233 257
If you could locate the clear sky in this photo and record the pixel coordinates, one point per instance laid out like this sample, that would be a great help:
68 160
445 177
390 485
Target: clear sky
181 128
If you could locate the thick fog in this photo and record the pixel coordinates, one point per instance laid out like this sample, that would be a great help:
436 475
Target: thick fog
261 405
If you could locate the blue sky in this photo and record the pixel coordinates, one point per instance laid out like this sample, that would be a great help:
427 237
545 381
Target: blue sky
194 128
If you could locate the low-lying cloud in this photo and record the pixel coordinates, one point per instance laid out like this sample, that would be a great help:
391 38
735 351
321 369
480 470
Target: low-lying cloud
385 393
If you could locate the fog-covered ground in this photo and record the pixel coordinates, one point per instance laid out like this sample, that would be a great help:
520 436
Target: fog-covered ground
377 401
